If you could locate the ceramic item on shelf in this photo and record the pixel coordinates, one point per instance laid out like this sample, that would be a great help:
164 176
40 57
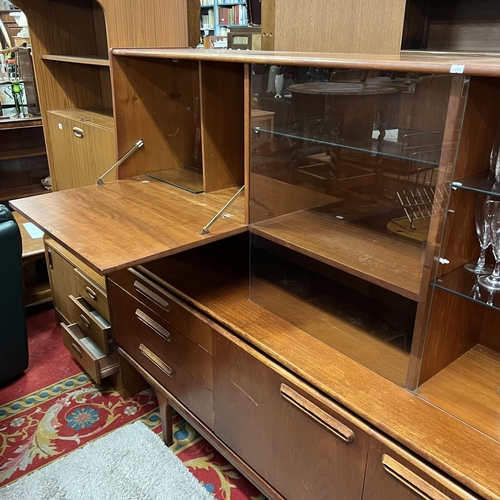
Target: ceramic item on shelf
278 82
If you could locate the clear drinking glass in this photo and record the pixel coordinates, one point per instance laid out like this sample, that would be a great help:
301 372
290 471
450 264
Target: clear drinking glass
483 215
492 282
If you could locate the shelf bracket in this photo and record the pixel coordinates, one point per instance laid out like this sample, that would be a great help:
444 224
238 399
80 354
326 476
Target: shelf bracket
206 230
135 147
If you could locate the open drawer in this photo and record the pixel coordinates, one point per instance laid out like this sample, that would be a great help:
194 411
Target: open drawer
92 358
90 321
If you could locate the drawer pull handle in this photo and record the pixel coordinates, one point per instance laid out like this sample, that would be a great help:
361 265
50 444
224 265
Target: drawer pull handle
51 263
169 372
332 424
85 321
78 132
154 297
151 323
78 352
411 480
91 293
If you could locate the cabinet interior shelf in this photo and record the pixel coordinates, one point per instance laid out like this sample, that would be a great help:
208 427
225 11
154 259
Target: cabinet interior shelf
369 147
22 153
21 192
483 183
94 60
464 284
390 263
468 389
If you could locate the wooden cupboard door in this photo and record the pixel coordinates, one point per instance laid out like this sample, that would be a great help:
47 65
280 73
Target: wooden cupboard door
62 282
81 151
393 472
305 445
59 159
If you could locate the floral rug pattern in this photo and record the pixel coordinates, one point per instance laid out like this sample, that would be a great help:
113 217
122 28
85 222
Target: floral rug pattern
47 424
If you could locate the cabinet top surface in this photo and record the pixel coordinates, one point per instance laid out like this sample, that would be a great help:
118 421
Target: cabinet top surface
435 62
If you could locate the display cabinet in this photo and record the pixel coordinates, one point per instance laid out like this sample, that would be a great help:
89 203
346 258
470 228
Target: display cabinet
326 294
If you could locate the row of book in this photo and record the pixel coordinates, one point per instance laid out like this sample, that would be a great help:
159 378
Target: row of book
233 15
207 20
206 2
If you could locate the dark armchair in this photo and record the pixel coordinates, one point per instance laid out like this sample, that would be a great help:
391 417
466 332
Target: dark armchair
13 335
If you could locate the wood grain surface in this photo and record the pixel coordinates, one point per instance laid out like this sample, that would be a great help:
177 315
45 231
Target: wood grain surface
461 451
473 64
388 262
123 223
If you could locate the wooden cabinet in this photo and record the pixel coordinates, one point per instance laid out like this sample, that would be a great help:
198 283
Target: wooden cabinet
306 447
345 319
83 146
23 159
392 472
71 61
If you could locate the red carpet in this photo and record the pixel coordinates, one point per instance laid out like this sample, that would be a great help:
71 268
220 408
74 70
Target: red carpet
54 408
49 360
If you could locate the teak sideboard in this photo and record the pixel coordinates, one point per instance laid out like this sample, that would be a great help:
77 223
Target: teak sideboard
321 333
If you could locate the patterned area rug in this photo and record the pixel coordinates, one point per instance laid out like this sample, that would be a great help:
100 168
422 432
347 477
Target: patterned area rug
49 423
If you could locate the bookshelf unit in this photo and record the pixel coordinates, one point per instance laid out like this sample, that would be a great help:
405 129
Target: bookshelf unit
70 42
222 16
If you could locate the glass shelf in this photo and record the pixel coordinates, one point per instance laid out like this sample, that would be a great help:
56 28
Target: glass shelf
187 178
464 284
483 183
369 147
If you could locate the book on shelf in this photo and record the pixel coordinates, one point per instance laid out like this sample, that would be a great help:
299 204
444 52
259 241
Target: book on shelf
205 3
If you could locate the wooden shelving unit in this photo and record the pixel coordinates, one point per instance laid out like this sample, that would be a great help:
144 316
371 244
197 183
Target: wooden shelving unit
90 60
23 158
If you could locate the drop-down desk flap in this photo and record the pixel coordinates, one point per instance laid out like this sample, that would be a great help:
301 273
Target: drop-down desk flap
132 221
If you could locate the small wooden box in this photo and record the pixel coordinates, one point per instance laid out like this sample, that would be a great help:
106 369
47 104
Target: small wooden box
244 38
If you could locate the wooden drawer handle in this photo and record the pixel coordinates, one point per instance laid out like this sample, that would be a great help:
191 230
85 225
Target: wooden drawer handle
78 132
169 372
77 351
91 293
154 297
415 483
153 325
332 424
85 321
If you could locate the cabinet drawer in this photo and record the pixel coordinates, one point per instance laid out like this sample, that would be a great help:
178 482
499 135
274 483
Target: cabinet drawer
182 317
132 319
92 293
149 348
90 322
93 360
301 442
393 472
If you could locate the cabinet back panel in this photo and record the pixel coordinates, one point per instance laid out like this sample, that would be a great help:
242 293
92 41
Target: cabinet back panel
451 25
156 100
222 125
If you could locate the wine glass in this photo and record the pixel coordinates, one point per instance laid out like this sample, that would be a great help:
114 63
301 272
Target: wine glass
492 282
484 211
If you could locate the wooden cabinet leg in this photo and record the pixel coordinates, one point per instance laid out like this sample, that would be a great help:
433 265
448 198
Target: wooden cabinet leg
166 419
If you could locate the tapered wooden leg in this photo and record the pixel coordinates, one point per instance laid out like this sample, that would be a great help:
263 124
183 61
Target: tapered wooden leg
166 419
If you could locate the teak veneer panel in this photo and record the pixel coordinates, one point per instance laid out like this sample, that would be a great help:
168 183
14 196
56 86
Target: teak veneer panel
404 62
343 26
469 388
380 356
128 222
213 287
387 262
